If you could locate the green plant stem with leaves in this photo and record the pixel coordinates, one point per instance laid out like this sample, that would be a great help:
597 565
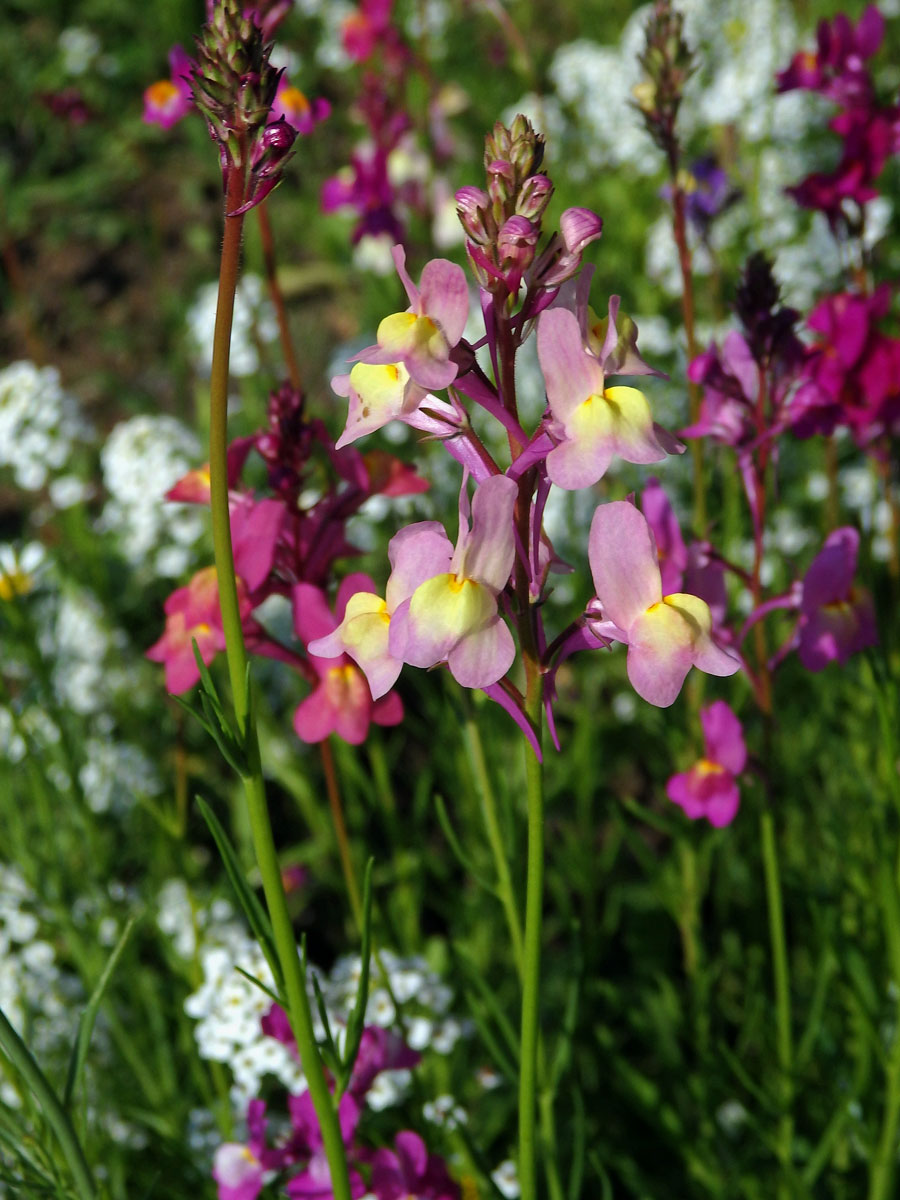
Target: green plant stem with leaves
57 1117
254 785
781 974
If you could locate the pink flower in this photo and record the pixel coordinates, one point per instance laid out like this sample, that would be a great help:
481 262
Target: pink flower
168 100
421 338
453 616
300 113
590 422
192 614
665 635
709 789
341 702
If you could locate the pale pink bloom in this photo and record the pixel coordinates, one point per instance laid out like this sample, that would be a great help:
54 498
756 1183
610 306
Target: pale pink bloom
665 635
453 616
341 702
422 337
417 553
590 422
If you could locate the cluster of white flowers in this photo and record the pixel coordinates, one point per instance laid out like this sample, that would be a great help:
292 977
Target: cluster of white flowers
254 322
229 1006
40 424
35 994
142 458
114 774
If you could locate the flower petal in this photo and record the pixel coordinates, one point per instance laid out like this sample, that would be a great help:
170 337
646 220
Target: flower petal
445 297
570 374
660 654
480 659
488 549
416 553
624 563
724 737
441 612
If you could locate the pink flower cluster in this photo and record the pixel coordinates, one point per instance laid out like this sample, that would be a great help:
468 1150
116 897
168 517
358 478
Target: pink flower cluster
288 548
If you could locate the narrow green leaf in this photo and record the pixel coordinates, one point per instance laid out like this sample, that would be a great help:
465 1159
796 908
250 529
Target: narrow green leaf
357 1020
456 846
89 1016
253 910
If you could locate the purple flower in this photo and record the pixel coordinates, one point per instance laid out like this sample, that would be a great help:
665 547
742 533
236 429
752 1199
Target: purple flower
709 789
410 1171
836 619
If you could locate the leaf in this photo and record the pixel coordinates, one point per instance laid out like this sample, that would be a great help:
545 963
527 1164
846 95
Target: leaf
89 1016
253 910
356 1023
456 846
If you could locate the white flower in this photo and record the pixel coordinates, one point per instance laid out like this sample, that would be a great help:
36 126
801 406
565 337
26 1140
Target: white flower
507 1179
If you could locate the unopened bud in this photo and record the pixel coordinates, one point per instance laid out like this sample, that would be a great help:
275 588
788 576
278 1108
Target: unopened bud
534 197
473 208
579 227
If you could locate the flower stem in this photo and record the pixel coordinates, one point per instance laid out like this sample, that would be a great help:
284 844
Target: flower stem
784 1042
254 785
885 1156
505 889
679 231
340 831
275 294
531 971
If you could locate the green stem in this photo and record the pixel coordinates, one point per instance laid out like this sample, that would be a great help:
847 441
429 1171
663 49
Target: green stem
882 1177
685 261
785 1137
505 890
57 1117
254 785
531 963
340 831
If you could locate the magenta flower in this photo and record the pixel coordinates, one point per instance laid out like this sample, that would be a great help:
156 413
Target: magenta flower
168 100
453 616
300 113
709 789
314 1183
665 635
836 619
836 69
417 553
590 422
341 702
422 337
410 1171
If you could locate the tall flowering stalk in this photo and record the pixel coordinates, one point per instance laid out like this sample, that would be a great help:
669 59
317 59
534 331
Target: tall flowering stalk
476 605
234 86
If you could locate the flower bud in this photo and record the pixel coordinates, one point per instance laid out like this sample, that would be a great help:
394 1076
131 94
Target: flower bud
534 197
473 209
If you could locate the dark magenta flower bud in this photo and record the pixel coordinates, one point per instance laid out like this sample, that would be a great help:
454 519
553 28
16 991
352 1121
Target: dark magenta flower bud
534 197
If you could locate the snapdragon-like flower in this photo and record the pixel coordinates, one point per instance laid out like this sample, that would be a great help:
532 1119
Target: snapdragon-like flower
193 615
836 618
453 616
378 394
422 337
409 1170
341 702
168 100
590 421
709 789
293 106
665 635
417 553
